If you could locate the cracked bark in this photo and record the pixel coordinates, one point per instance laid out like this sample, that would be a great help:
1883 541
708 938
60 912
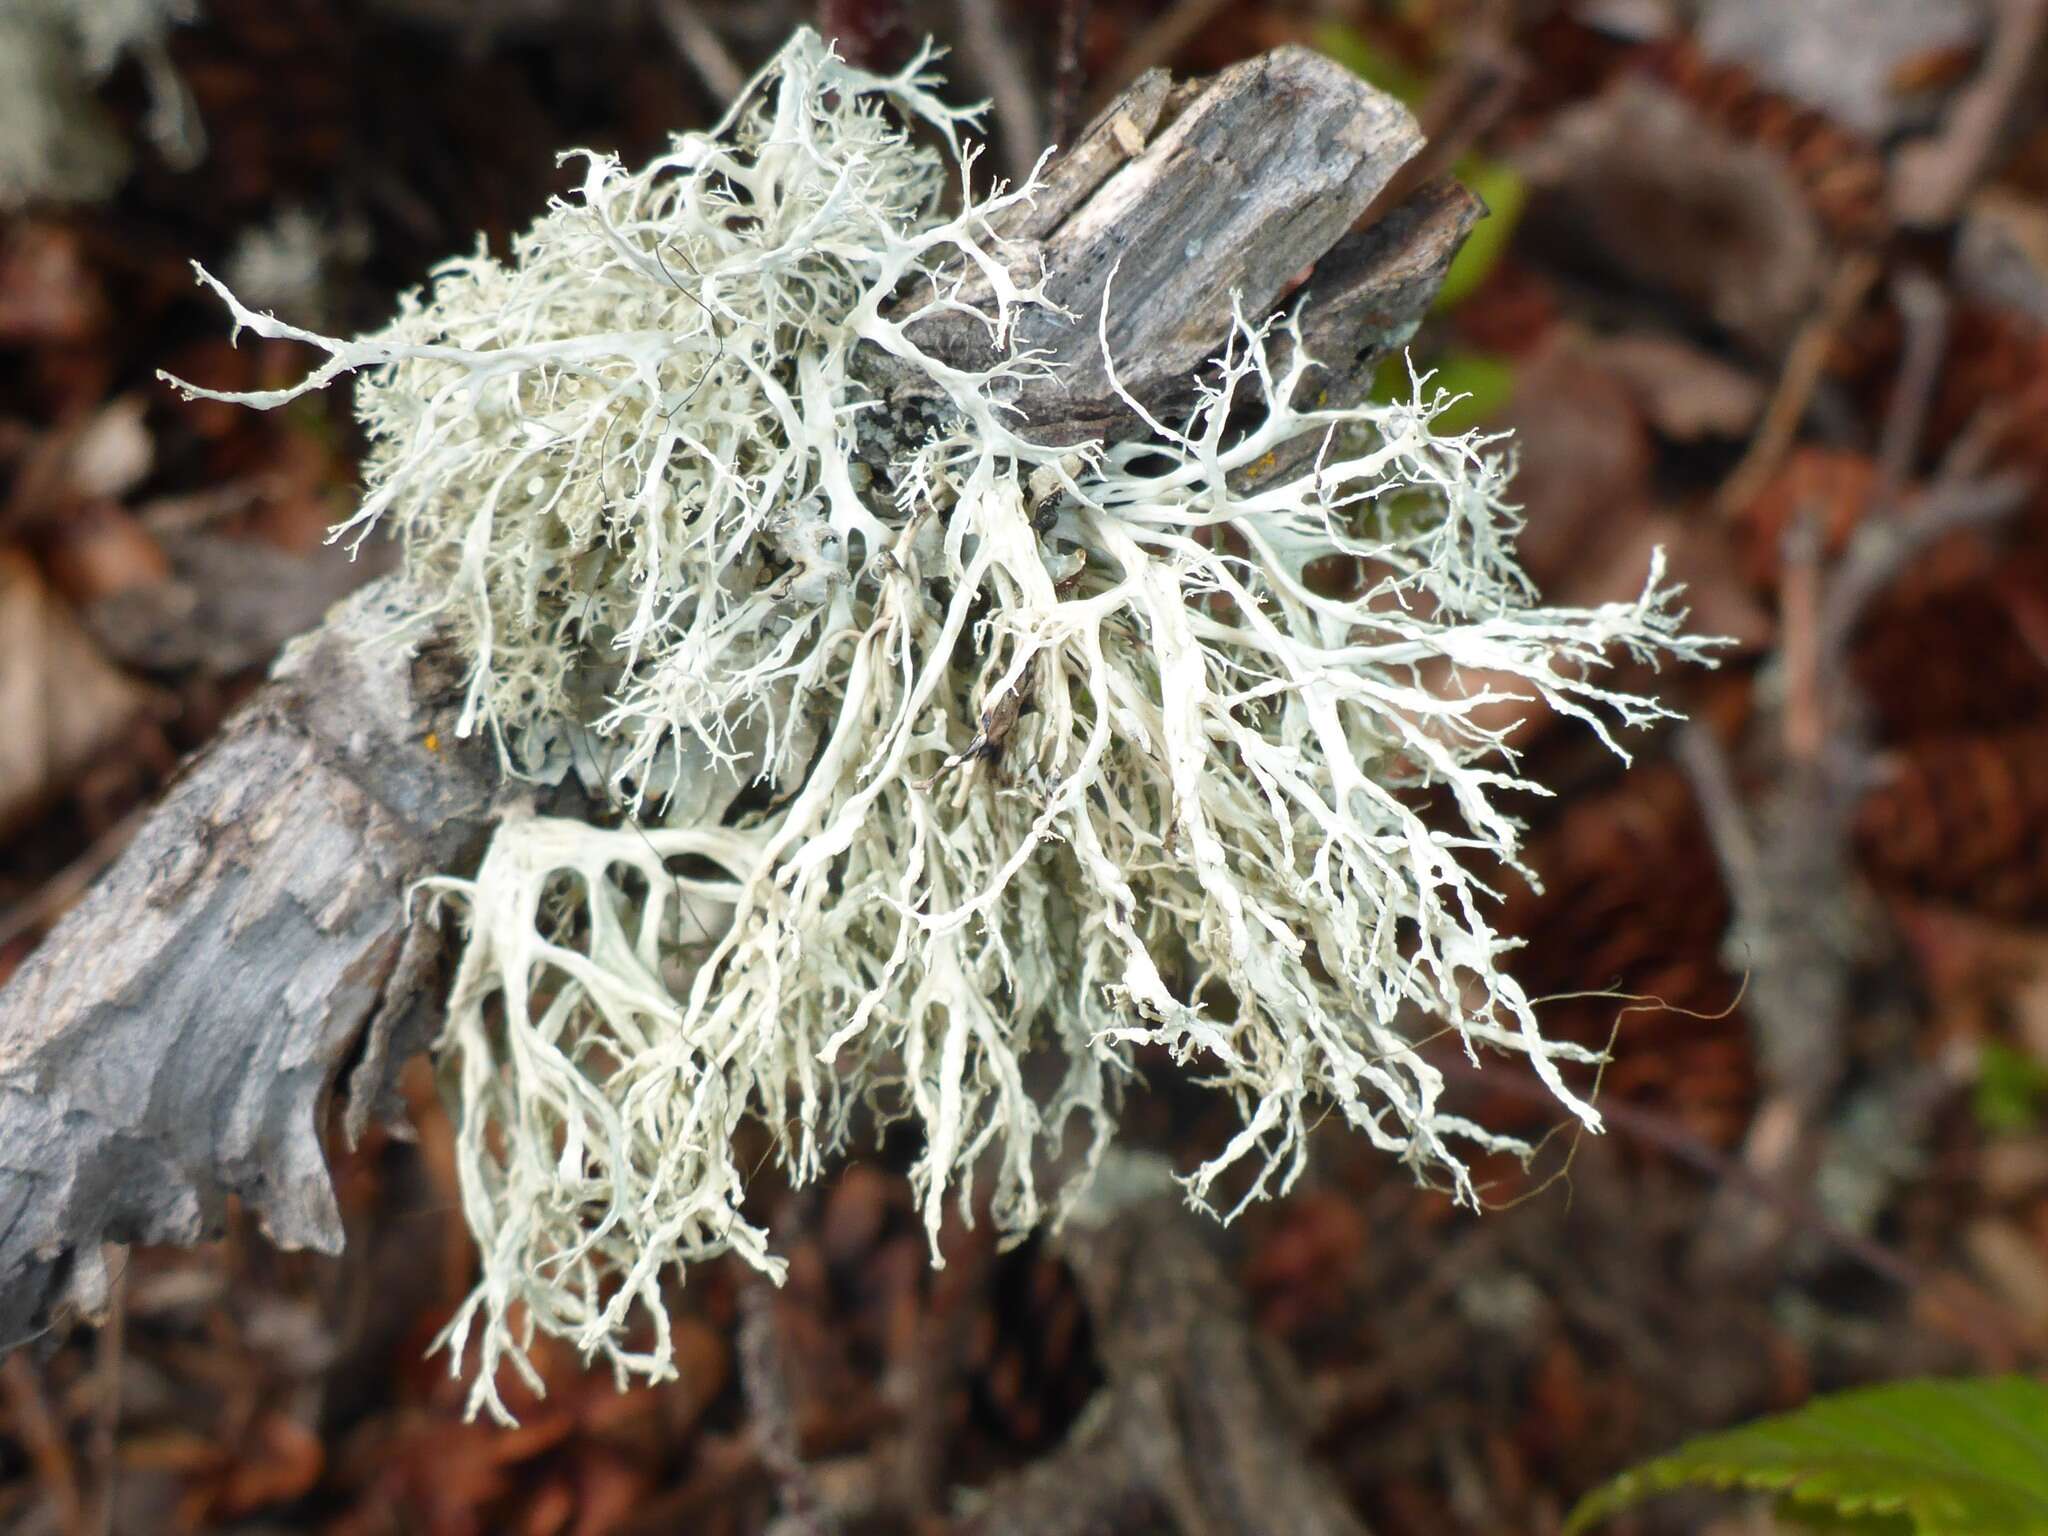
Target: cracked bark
178 1037
174 1039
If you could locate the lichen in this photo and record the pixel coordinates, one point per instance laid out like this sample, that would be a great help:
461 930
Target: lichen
56 142
957 767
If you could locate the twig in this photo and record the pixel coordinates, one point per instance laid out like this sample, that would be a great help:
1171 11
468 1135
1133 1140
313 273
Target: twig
1804 364
1713 786
919 1388
1932 179
1924 309
1796 920
1669 1137
1462 106
1070 73
111 1351
697 42
41 1437
1002 68
1881 551
1995 1332
1154 46
1198 1423
1788 882
1805 726
764 1384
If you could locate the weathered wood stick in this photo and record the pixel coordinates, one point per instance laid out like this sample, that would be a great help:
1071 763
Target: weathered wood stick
177 1038
1172 202
1201 1425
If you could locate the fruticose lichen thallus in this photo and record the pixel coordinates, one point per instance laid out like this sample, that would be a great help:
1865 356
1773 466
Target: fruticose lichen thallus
957 767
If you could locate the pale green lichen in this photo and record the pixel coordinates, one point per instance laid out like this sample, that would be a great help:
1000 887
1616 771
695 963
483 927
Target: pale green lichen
56 142
962 766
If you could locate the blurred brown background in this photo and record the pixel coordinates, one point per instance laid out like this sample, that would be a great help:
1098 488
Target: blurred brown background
1764 283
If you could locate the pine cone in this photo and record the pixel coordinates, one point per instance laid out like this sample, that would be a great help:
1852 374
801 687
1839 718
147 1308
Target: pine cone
1964 819
1949 651
1633 901
1840 172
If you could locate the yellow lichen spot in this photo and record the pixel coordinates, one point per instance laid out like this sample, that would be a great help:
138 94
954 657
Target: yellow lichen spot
433 741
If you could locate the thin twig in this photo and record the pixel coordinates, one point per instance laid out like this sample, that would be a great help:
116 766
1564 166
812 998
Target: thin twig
1003 69
1994 1331
1713 785
1804 364
1881 551
701 46
43 1439
1924 310
1806 724
1932 179
1668 1136
1154 46
1070 74
111 1350
1462 106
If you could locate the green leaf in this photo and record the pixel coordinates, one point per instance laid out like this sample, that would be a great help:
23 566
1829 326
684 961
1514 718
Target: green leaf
1501 187
1935 1458
2009 1088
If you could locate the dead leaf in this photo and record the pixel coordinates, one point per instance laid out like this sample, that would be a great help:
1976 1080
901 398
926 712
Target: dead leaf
2012 1264
48 294
1582 456
100 549
112 454
284 1463
228 604
1642 180
1686 392
97 457
60 700
609 1488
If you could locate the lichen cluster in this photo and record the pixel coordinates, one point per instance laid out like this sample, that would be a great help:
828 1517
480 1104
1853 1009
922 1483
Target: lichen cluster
957 767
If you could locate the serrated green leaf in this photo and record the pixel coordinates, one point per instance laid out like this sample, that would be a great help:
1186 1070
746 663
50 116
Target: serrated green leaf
1937 1458
1811 1520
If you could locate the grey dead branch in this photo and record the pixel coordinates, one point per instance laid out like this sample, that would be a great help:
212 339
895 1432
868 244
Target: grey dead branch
1200 1425
1804 927
179 1037
1200 1419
